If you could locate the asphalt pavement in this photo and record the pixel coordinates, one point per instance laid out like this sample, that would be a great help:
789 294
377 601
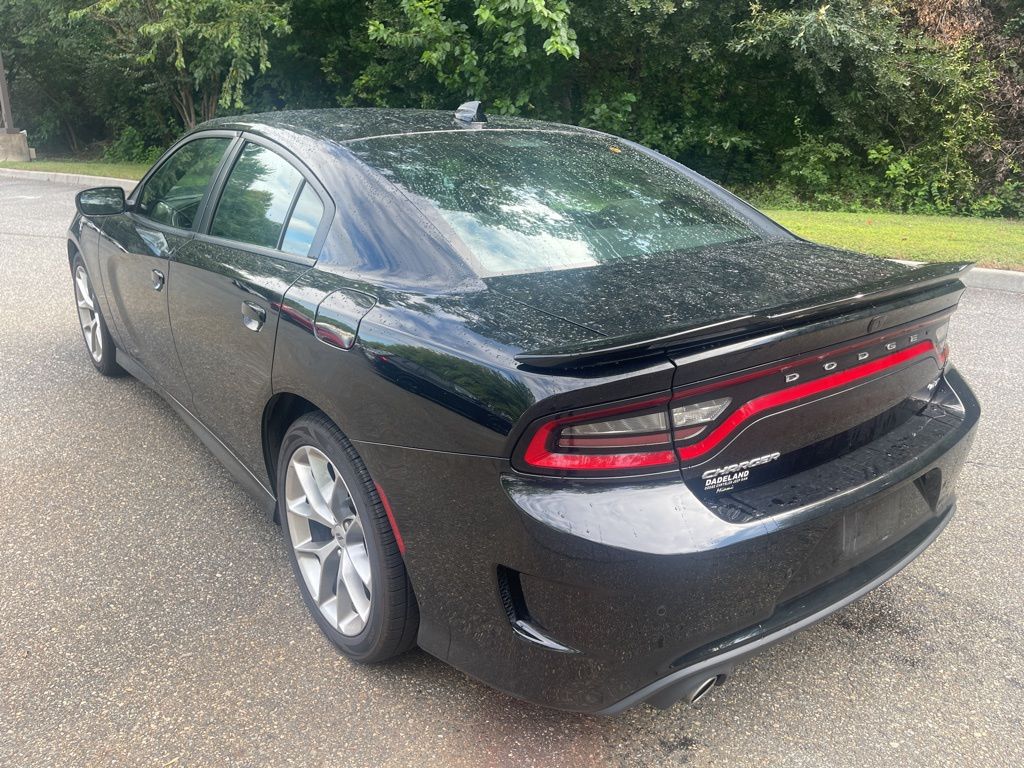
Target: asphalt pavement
148 614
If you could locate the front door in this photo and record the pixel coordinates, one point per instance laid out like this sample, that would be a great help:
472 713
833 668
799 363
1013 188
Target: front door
226 291
135 252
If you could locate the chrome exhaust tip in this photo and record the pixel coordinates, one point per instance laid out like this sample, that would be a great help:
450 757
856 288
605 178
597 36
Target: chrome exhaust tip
703 689
690 689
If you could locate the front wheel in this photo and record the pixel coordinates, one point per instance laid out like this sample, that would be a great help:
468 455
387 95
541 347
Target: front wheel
98 342
343 551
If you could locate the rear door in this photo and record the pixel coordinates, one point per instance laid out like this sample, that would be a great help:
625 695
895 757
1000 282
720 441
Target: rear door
135 248
261 233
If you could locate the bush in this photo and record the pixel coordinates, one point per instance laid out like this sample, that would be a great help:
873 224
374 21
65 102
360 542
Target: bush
902 121
131 147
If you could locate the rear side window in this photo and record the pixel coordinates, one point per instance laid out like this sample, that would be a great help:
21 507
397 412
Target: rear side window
257 198
173 193
305 220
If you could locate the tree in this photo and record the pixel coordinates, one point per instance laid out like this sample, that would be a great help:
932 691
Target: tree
198 53
54 79
998 27
904 104
497 50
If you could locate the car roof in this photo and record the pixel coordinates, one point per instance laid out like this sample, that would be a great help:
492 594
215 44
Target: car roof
344 125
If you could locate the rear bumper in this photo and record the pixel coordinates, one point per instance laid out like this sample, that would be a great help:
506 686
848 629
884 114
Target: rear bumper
594 597
683 683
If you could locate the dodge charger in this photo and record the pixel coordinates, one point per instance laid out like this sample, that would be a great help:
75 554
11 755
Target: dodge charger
537 399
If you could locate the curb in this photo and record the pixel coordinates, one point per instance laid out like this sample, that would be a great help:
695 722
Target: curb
985 278
70 179
979 277
995 280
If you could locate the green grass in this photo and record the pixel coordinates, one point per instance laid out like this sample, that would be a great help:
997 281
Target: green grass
90 167
990 242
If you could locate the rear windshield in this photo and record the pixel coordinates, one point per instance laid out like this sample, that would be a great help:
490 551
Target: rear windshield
526 201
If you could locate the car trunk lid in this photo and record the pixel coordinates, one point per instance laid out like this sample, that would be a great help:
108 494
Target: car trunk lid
646 296
775 380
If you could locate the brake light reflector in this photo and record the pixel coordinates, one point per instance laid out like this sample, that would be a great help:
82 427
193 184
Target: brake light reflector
391 519
941 336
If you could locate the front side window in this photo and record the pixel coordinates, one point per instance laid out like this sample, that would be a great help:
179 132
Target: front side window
173 193
257 198
535 201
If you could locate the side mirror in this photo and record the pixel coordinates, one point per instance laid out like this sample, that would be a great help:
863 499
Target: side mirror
100 201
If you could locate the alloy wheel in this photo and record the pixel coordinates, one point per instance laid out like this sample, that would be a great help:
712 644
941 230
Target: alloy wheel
88 316
326 534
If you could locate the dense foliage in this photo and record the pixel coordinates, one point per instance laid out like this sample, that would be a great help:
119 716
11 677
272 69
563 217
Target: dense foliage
912 105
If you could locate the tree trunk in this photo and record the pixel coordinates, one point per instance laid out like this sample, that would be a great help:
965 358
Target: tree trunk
209 103
184 105
72 136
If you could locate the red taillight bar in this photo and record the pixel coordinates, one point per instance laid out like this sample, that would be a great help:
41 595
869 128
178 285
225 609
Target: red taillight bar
799 392
538 455
859 344
607 454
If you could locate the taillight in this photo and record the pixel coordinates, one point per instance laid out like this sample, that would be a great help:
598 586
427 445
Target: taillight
691 425
633 438
779 398
692 419
630 437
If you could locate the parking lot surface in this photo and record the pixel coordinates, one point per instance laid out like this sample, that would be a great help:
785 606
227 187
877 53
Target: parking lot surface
148 614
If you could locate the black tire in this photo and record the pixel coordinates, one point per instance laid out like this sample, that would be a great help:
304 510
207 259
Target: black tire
393 618
106 360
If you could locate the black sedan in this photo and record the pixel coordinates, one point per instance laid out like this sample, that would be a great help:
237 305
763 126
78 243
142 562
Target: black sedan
538 399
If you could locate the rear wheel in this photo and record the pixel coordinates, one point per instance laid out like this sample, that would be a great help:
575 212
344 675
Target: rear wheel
98 342
343 551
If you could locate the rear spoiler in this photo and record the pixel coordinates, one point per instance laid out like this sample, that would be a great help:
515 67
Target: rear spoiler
637 345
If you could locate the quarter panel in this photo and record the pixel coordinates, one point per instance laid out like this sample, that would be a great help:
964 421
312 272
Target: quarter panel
373 391
435 372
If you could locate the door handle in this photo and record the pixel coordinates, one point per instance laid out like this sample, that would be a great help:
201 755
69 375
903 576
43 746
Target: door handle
253 315
158 280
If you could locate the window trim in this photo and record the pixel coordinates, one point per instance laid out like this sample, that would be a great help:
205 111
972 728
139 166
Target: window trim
202 231
136 194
